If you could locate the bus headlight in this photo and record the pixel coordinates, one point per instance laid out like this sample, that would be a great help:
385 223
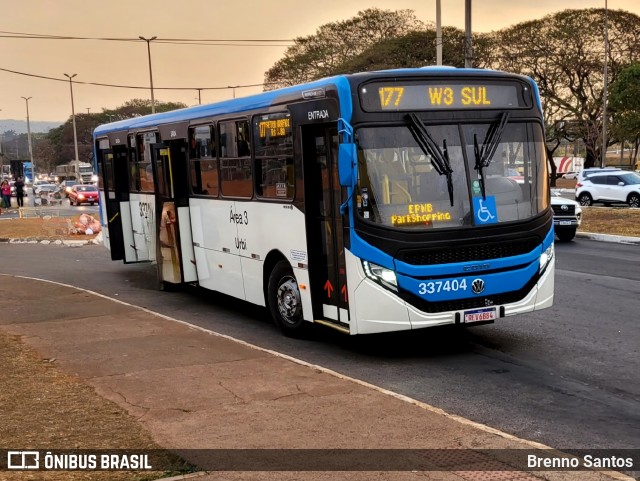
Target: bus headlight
383 276
546 257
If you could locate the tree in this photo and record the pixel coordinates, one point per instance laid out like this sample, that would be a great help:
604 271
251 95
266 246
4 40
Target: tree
61 149
624 101
417 49
563 52
317 56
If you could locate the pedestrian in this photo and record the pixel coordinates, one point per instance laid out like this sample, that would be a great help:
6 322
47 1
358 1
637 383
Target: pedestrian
19 185
5 190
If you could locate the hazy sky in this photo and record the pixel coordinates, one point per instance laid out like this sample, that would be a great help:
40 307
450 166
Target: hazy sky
126 63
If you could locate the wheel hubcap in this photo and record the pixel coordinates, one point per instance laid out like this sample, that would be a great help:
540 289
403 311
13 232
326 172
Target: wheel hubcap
289 300
635 202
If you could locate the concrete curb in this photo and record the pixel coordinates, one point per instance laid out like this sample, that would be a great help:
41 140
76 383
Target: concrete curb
180 477
619 239
68 243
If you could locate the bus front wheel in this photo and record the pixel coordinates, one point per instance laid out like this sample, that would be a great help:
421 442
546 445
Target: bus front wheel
284 300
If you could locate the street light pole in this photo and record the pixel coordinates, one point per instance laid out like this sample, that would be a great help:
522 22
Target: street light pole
153 101
603 160
73 115
468 47
438 33
33 165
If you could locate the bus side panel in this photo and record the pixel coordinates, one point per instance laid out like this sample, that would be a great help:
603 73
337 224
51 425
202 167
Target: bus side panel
103 220
197 240
143 221
213 225
186 246
258 236
127 233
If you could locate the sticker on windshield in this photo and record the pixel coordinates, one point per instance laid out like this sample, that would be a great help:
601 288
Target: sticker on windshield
484 210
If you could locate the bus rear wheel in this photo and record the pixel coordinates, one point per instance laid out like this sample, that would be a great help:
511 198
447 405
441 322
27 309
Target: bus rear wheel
285 302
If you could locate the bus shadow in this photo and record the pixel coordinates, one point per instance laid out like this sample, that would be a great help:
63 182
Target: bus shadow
240 315
432 342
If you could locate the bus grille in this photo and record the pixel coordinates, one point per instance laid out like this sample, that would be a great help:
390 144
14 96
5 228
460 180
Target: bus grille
470 302
466 253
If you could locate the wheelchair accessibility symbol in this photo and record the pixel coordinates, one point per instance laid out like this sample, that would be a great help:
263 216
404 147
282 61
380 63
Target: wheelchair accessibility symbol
484 210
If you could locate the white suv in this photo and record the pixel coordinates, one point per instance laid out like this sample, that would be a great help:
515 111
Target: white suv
567 216
584 174
610 187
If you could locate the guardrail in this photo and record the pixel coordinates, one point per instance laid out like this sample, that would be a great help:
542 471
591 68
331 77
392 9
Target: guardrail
43 211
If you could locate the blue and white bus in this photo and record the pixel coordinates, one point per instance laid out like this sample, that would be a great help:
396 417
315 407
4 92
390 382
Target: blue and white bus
372 202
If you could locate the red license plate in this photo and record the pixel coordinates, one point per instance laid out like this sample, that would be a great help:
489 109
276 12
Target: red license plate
480 315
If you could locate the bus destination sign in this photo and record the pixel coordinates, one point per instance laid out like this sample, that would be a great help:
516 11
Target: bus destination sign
440 96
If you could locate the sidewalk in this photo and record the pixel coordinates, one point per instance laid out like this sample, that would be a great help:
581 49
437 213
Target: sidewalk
191 388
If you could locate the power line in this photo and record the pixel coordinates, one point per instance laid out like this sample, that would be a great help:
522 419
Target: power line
189 41
98 84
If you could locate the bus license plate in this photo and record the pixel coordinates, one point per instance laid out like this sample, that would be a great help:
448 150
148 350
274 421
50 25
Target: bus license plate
480 315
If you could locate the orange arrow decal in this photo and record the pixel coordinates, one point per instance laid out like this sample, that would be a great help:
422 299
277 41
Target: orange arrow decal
344 292
329 288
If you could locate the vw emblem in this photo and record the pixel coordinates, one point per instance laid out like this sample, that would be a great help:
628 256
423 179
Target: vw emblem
477 286
564 207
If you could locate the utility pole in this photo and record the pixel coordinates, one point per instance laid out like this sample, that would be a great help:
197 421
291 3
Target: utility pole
33 165
468 47
604 88
438 33
153 101
73 115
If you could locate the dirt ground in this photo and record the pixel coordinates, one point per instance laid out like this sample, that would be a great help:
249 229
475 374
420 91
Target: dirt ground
44 408
39 228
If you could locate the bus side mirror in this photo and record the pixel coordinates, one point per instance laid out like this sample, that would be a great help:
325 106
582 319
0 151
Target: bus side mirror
347 164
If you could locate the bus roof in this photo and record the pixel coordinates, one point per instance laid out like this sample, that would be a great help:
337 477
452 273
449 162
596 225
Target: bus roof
266 99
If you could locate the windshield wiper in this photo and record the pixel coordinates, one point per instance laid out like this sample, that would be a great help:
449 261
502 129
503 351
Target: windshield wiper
485 153
439 158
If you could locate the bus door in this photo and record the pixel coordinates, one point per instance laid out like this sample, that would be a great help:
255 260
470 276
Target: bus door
112 218
325 241
119 207
174 249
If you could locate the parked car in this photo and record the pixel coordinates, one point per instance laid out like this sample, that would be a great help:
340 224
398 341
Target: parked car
610 187
567 216
36 183
570 175
47 194
66 185
83 194
586 173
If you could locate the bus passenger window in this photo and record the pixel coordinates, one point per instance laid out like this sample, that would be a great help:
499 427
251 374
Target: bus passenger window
235 164
203 164
273 144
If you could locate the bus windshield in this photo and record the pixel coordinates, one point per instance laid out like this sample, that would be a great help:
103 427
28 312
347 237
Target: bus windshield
404 183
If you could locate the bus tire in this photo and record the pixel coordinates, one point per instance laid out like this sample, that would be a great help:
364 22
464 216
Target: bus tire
284 300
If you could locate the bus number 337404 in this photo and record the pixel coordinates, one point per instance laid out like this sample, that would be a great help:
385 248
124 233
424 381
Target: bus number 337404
434 287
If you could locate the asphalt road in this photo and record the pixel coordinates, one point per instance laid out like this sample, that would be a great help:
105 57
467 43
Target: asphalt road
566 377
64 209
